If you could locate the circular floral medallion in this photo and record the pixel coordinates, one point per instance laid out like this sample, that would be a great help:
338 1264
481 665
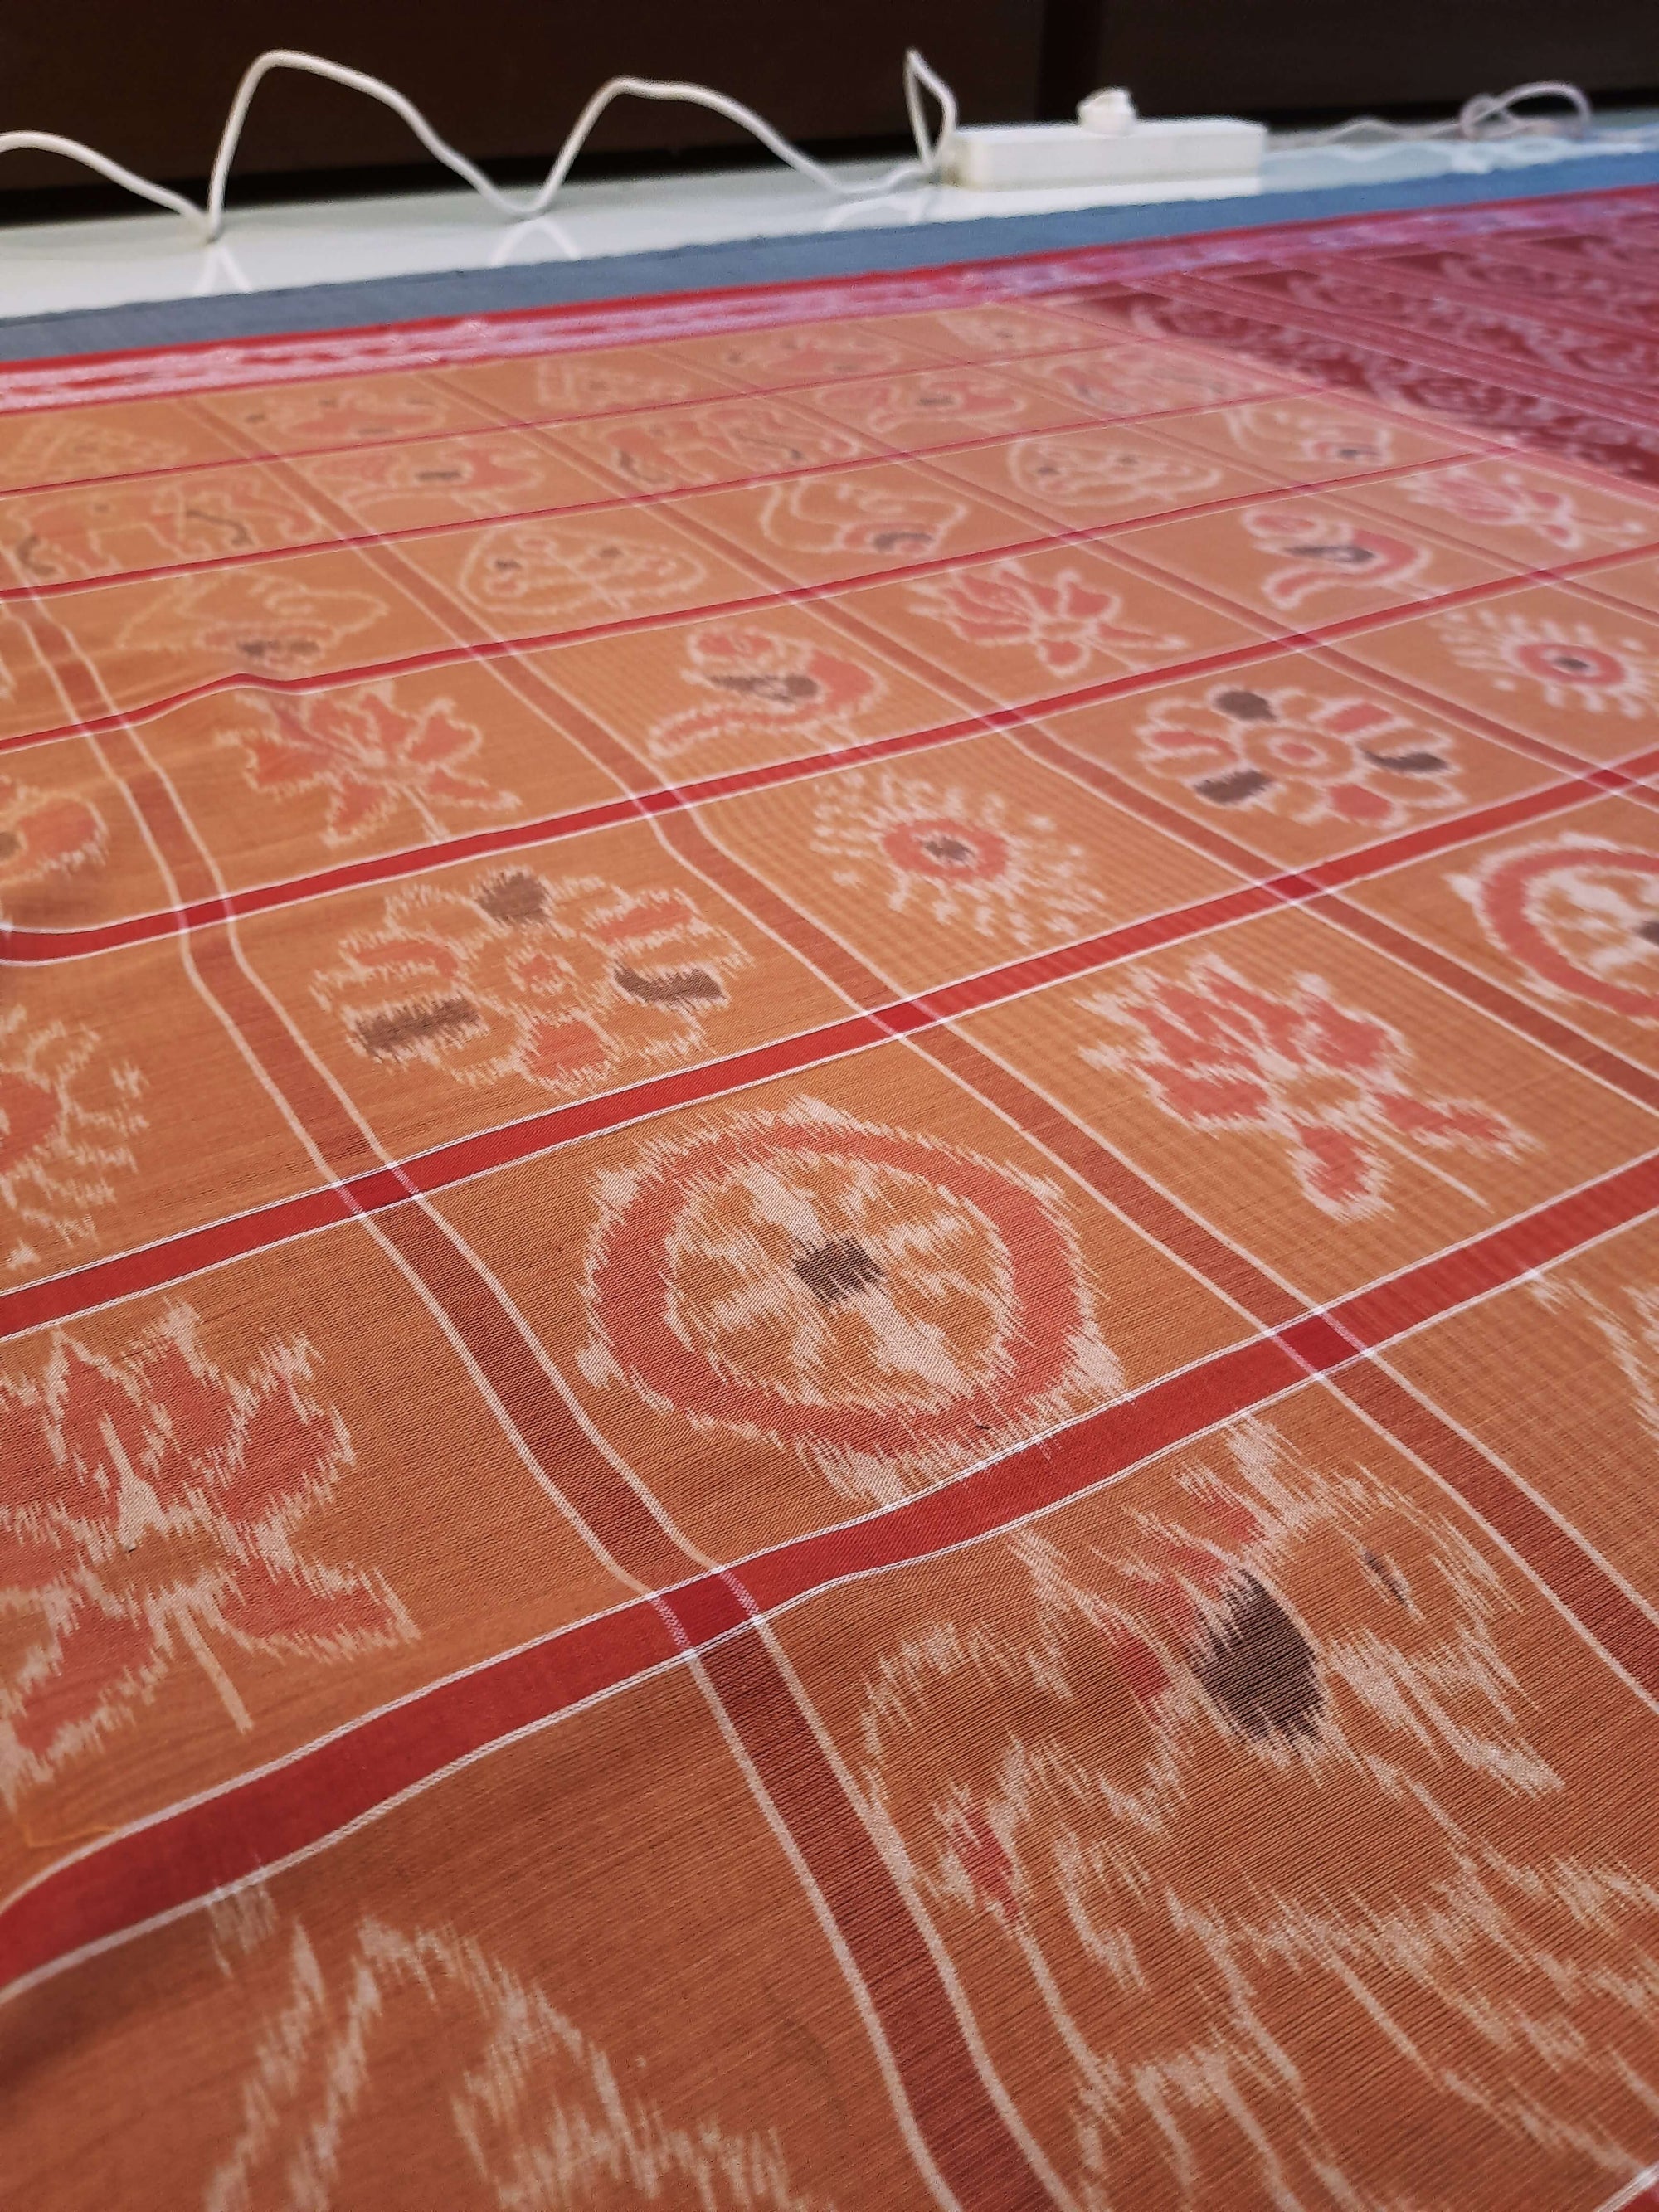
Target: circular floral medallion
888 1306
1582 917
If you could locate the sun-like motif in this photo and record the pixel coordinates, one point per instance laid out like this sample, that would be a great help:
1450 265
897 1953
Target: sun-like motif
1335 1087
365 754
1570 663
1304 756
1072 624
564 981
44 834
882 1303
769 685
153 1507
1580 913
1325 551
964 857
61 1155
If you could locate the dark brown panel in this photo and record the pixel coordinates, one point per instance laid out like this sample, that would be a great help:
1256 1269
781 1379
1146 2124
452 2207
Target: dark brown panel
150 83
1274 58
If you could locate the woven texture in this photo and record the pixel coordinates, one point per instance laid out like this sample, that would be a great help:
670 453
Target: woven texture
829 1244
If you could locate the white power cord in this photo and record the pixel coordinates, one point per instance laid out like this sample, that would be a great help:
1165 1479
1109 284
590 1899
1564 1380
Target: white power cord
1488 118
211 218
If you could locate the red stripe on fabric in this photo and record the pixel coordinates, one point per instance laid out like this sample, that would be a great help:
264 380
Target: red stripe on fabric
1485 1263
254 1821
1115 1180
127 1274
1518 1014
1623 1631
618 1520
970 2141
198 1848
124 1275
44 944
802 594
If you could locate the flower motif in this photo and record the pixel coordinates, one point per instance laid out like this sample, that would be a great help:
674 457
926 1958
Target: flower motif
253 620
368 754
563 980
1628 1324
768 685
58 1155
1068 622
150 1508
1329 552
560 571
1573 663
1333 1085
962 858
1580 913
839 514
1508 497
1300 757
44 833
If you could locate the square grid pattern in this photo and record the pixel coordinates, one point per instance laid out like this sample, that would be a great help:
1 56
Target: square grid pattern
829 1244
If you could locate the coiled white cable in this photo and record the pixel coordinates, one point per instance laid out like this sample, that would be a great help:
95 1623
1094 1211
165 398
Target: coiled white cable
1488 118
210 219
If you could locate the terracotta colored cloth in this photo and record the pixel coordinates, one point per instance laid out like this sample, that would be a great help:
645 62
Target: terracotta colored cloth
829 1244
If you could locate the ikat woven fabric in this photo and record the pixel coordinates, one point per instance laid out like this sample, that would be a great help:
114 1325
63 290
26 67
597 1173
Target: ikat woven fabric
829 1244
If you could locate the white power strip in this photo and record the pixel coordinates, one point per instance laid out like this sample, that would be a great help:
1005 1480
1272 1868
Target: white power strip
1029 156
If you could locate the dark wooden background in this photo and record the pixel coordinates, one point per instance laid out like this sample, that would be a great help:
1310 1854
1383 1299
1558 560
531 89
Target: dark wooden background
149 81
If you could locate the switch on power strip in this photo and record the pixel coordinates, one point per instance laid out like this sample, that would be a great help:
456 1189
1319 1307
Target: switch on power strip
1109 144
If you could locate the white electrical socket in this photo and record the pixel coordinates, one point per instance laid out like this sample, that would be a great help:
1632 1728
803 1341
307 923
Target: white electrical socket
1039 157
